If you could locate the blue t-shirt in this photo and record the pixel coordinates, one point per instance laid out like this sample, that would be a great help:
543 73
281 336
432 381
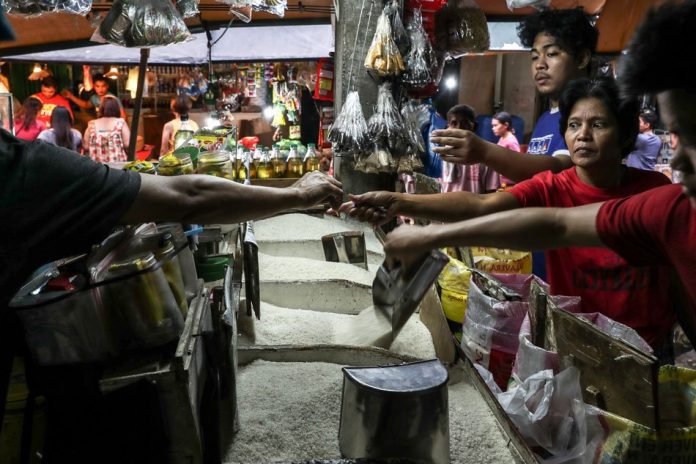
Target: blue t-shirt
432 164
546 137
645 153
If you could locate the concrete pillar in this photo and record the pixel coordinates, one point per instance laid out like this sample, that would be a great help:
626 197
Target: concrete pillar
356 21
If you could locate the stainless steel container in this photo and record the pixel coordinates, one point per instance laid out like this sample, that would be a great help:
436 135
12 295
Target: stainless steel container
395 412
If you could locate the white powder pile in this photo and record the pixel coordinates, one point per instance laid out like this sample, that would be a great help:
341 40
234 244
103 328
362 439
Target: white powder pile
302 227
283 326
282 268
291 411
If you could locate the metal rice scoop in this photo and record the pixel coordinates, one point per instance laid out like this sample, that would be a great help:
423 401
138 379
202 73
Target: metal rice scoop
345 247
397 292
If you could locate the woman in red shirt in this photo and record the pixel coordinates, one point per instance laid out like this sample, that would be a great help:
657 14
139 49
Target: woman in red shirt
27 126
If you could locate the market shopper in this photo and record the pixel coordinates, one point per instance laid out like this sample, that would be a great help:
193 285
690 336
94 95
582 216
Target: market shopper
648 145
501 125
180 106
107 137
50 100
61 133
27 124
475 178
562 43
600 130
97 88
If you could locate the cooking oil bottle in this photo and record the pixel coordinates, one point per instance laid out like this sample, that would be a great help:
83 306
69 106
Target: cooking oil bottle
311 161
265 168
247 170
277 162
294 166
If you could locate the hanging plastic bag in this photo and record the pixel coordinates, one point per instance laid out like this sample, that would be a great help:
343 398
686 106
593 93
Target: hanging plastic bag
138 23
421 61
399 34
538 4
349 132
242 9
386 126
415 116
37 7
460 28
187 8
276 7
384 56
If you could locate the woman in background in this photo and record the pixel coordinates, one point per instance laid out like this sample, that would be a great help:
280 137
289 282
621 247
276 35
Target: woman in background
61 133
502 127
107 136
27 127
180 106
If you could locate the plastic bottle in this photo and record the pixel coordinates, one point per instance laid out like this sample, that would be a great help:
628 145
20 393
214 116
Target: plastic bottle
185 132
311 160
294 166
277 162
265 168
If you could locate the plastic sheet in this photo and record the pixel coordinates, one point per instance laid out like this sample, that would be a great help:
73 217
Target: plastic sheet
460 28
421 61
349 132
137 23
37 7
187 8
384 56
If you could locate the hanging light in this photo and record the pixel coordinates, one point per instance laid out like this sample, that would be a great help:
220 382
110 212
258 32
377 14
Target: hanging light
38 73
113 73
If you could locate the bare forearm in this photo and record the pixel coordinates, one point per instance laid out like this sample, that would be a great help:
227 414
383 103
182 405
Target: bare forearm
524 229
522 166
198 199
444 207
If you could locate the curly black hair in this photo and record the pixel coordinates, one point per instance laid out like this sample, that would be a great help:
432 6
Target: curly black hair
660 55
571 27
607 91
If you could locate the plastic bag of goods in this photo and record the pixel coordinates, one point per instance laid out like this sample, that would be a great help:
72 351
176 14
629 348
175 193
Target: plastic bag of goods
383 56
399 34
138 23
454 283
187 8
276 7
386 126
37 7
242 9
349 132
496 308
421 61
501 261
538 4
460 28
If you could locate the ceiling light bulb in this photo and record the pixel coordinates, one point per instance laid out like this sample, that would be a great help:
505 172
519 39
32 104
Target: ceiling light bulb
450 83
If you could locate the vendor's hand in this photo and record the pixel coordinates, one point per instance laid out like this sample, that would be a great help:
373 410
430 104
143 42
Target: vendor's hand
459 146
406 245
318 188
86 68
66 93
377 208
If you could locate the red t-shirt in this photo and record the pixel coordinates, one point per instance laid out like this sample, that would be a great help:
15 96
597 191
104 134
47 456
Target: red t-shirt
635 296
49 104
656 227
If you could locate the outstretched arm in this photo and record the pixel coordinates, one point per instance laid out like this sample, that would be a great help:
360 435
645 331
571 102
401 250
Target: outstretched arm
521 229
464 147
201 199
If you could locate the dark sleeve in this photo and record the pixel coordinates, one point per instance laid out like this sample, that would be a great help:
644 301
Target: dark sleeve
635 227
69 199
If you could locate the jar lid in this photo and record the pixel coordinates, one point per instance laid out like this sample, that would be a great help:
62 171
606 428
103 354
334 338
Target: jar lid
214 157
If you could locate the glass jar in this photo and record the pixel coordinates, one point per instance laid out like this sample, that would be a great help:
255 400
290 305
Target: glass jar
311 160
143 167
277 162
173 165
265 168
294 166
216 163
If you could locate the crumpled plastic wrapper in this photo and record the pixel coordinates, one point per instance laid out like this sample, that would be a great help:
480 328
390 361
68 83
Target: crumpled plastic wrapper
142 23
242 9
399 34
386 126
384 56
276 7
349 132
187 8
460 28
538 4
421 61
38 7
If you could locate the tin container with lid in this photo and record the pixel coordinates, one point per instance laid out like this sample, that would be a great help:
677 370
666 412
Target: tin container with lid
138 289
216 163
395 412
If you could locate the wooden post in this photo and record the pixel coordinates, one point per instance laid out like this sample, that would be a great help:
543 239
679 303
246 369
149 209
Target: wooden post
142 71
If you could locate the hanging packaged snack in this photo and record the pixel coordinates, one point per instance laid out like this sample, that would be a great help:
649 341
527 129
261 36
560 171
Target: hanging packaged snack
378 160
276 7
421 61
37 7
399 33
386 126
187 8
138 23
349 133
383 56
415 116
460 28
